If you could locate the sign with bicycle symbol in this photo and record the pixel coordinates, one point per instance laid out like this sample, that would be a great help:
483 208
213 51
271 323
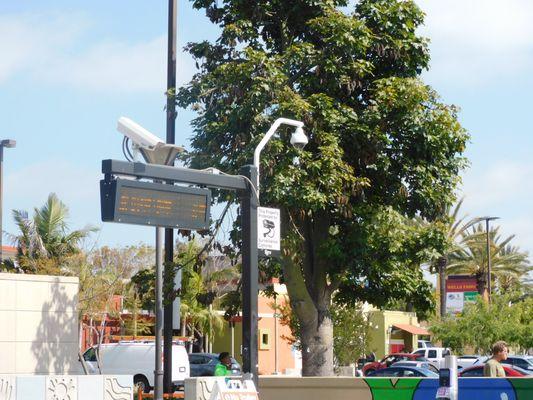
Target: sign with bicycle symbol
268 229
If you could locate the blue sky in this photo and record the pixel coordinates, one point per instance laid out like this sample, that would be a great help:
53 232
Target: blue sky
69 69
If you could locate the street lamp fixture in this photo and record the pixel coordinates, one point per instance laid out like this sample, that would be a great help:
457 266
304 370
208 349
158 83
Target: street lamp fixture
298 140
9 143
487 220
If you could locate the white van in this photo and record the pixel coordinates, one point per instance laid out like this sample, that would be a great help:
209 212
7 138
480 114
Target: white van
137 359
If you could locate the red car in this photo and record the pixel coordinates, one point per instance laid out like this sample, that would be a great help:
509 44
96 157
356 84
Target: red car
391 359
477 371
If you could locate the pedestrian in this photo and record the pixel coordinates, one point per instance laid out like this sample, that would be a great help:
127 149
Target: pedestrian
493 367
223 368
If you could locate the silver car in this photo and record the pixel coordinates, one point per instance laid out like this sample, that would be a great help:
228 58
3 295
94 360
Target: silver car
524 362
417 364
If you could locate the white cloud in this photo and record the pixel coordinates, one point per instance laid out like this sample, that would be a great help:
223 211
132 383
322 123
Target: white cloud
503 190
113 66
50 48
29 40
503 182
476 41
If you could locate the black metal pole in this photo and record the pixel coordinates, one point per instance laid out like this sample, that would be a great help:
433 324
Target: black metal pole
158 372
169 233
250 274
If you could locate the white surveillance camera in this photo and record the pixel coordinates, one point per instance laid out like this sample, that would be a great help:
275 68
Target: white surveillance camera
137 134
299 138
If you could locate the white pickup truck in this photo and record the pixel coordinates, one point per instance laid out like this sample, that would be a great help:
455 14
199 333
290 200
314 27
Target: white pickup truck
435 355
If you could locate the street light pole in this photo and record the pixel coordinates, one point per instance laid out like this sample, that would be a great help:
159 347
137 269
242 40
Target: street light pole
250 270
250 274
4 143
489 266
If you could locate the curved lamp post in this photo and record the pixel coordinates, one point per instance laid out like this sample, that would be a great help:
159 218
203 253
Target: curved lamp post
298 140
250 271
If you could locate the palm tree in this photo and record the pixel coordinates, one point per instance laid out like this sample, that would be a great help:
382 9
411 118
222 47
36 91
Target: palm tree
200 292
508 265
455 228
44 242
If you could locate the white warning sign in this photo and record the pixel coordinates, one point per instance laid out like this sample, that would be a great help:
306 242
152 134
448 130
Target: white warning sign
268 229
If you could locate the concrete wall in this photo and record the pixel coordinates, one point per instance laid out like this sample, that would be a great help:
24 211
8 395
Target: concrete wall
338 388
39 330
66 387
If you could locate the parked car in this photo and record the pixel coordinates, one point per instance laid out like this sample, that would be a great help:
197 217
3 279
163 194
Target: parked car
476 371
203 364
424 344
466 361
524 362
417 364
403 372
434 355
389 360
136 359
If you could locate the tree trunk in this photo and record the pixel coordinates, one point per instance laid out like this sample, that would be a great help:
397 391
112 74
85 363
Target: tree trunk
317 347
305 274
481 278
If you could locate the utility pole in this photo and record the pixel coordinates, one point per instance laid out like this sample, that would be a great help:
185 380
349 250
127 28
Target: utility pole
169 233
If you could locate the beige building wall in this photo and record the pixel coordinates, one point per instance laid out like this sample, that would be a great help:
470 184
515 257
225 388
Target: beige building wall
381 322
39 324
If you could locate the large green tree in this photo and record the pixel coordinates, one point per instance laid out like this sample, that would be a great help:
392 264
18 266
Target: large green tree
383 148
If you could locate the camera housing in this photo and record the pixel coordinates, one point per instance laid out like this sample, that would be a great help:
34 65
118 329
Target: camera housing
140 136
299 139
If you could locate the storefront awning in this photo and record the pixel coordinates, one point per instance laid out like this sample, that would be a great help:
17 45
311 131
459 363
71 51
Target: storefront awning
415 330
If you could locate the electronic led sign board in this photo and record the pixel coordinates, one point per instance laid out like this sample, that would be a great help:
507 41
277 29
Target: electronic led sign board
154 204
